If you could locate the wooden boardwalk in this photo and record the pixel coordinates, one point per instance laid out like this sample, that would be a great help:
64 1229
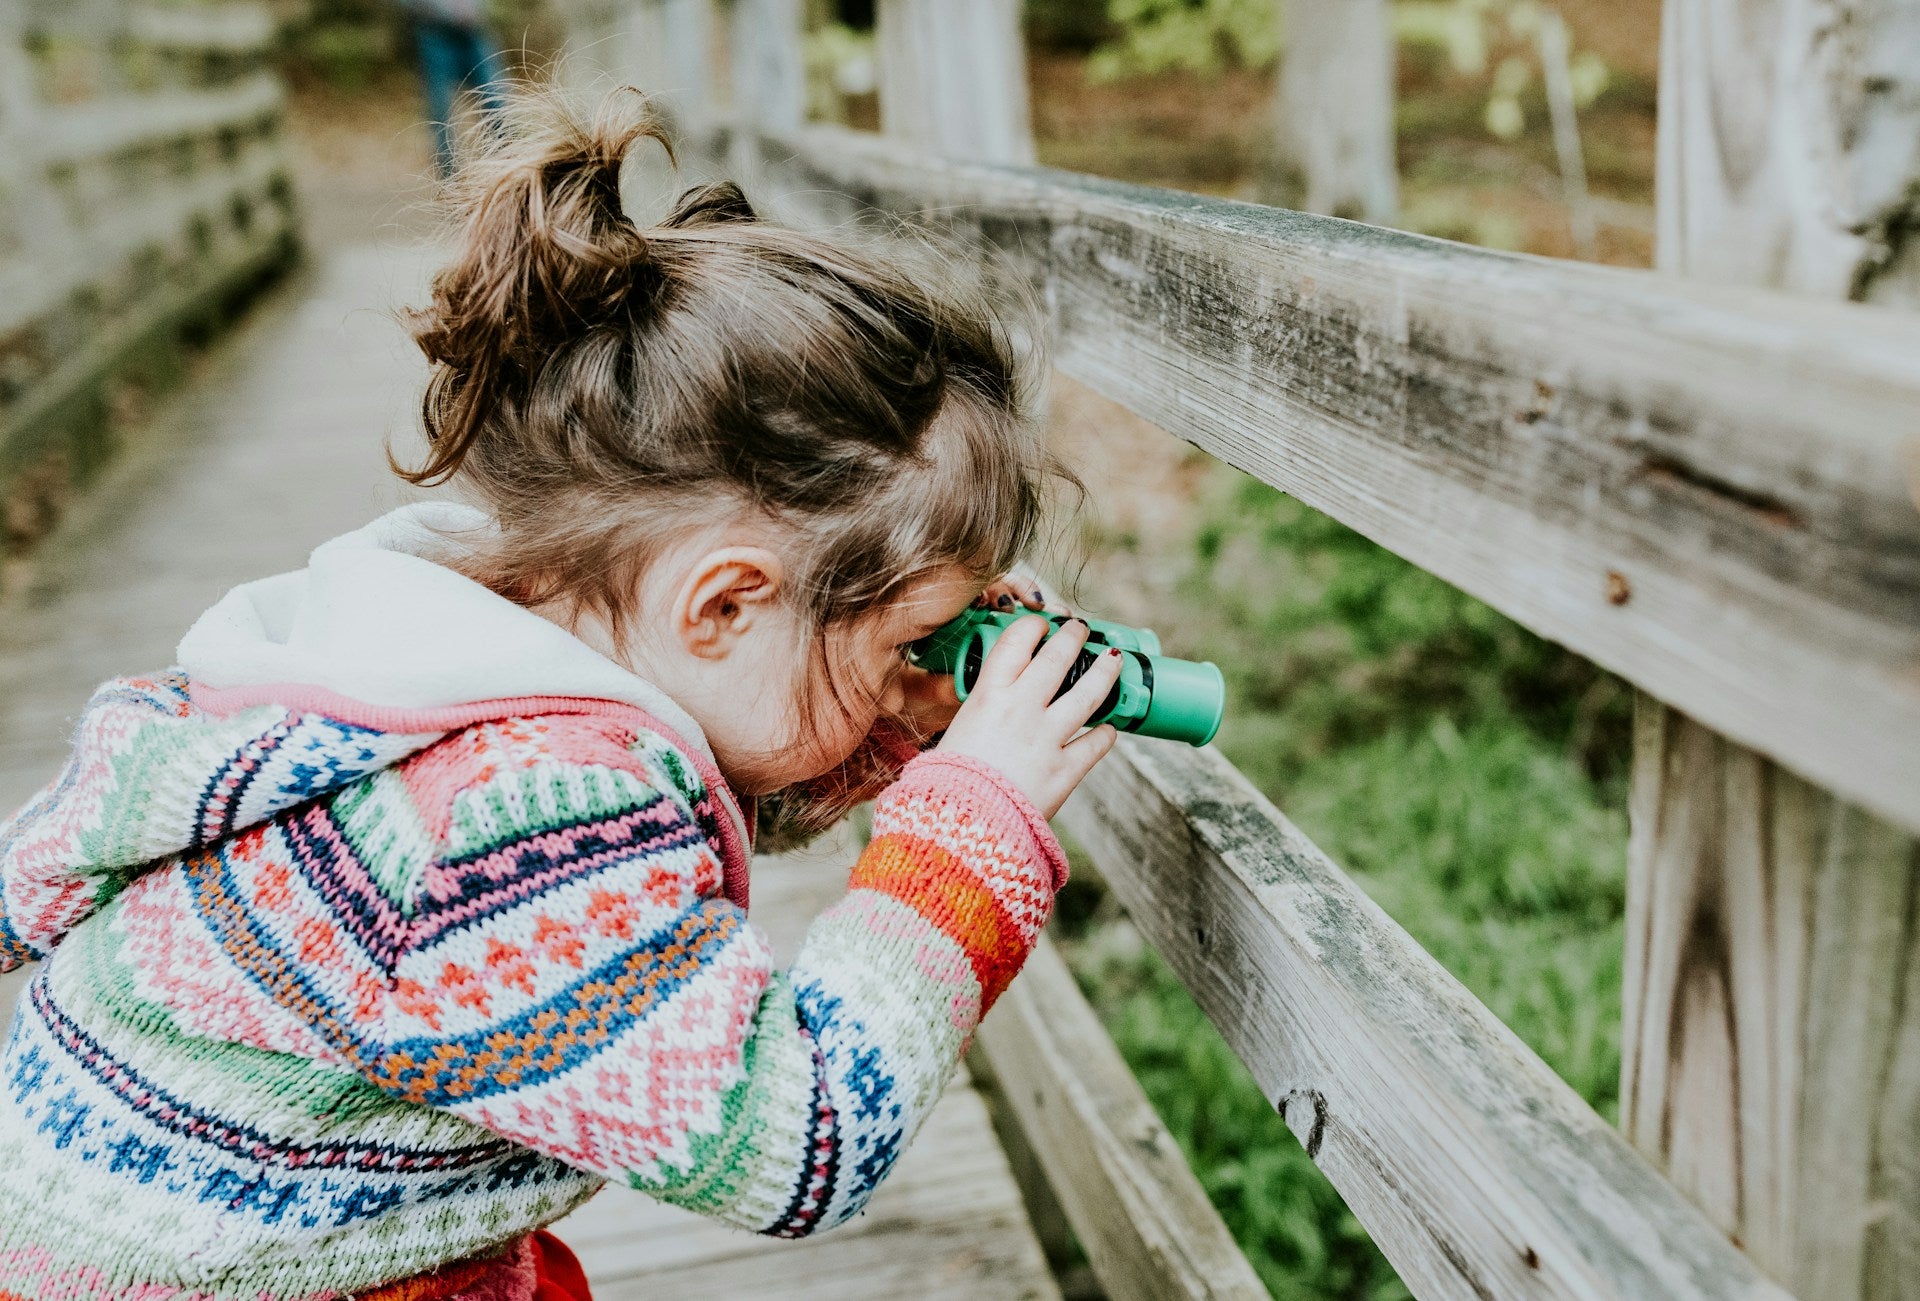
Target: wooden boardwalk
274 447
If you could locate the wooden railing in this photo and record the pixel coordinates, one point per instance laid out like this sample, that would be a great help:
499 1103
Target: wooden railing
142 184
1710 490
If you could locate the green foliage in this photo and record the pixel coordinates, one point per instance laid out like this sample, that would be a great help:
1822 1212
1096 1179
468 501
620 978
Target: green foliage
347 55
348 43
840 63
1462 217
1456 28
1287 1218
1467 774
1067 25
1466 31
1196 35
1339 640
1206 36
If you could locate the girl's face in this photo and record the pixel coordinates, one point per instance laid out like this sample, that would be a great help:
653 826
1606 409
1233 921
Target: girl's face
836 698
718 637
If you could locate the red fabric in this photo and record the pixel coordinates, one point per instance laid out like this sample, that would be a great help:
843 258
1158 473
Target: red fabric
556 1271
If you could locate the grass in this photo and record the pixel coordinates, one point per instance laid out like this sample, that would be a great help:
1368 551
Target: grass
1467 774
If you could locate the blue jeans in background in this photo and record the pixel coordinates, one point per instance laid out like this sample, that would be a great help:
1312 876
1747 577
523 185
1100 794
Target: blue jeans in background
453 55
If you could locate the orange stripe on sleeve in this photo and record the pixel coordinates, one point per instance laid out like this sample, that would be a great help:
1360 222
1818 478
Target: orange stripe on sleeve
938 886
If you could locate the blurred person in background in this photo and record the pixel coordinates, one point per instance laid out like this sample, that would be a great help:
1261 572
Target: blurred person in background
457 49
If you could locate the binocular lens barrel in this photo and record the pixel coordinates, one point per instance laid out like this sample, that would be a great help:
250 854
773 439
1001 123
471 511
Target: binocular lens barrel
1178 700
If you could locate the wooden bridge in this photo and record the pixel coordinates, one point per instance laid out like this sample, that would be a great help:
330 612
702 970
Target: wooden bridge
1706 485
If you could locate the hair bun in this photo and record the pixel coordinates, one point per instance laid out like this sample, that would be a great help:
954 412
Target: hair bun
547 253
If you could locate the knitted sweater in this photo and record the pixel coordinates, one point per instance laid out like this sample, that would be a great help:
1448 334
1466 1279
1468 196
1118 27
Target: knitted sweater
370 970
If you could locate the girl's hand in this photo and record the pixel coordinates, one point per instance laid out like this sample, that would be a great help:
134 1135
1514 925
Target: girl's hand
1015 591
1008 722
931 701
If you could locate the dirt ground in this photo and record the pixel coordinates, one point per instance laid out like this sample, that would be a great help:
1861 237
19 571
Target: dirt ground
362 158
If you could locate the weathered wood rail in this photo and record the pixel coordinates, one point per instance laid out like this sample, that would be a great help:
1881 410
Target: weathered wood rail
143 186
1712 490
1703 489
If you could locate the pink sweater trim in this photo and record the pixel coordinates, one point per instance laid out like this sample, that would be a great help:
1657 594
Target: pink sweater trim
736 850
976 772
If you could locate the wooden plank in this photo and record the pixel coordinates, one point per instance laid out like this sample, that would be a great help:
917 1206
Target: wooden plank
31 287
266 245
1333 111
953 78
118 124
1475 1167
1146 1224
953 1258
611 42
34 226
1771 1046
221 28
1706 490
686 30
269 441
1556 64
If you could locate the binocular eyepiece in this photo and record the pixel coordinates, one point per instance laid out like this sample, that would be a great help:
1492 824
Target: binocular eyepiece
1178 700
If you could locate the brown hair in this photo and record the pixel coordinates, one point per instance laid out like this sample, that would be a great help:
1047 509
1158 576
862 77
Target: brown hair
601 387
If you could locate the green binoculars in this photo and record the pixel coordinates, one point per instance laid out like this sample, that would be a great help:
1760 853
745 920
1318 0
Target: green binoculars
1179 700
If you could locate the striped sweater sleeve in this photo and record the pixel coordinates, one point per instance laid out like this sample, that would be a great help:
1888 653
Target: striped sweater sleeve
618 1013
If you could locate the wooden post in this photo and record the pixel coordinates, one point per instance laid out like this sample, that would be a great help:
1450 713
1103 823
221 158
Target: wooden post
1333 111
1771 1045
769 69
1555 68
953 77
686 39
1790 145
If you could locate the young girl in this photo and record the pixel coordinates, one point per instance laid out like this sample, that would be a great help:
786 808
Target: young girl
411 907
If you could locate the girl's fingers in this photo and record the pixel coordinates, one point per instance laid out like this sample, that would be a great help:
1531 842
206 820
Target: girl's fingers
1011 593
1012 654
1015 591
1048 668
1074 708
1087 749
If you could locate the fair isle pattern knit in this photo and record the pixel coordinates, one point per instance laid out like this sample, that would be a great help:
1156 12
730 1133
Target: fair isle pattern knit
339 996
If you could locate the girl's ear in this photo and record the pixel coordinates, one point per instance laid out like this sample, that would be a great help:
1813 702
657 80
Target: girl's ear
726 590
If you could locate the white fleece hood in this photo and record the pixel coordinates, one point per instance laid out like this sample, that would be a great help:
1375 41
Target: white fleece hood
374 617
